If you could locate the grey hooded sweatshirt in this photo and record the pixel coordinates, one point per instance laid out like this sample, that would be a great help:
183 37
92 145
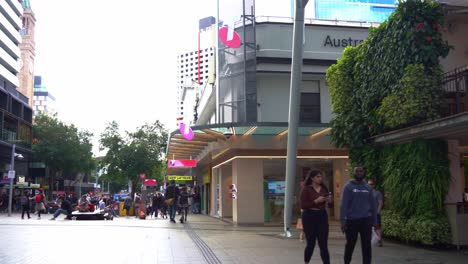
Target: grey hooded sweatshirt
358 202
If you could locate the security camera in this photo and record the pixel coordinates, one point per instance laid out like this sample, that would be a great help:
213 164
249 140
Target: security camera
19 156
228 134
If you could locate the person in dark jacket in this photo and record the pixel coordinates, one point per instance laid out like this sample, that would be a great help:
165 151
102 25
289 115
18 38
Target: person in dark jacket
25 204
358 213
172 195
184 204
65 208
314 198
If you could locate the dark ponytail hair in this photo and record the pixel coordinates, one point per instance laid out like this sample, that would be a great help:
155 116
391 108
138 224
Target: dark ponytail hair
312 173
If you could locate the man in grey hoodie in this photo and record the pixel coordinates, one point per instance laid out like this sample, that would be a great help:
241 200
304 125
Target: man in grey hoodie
358 213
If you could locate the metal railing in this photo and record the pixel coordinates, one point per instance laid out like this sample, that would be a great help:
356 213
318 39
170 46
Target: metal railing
455 87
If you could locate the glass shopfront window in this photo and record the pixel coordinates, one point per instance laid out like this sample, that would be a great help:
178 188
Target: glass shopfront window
275 185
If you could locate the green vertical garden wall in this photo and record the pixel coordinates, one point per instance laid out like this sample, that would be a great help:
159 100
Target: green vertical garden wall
391 81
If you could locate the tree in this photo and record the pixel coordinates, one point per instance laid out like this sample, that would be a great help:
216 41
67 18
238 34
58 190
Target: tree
64 149
134 153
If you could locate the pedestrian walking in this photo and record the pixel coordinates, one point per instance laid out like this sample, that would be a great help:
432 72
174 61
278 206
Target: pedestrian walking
156 201
196 200
136 205
3 201
184 204
127 205
172 194
40 203
379 202
314 198
25 204
358 213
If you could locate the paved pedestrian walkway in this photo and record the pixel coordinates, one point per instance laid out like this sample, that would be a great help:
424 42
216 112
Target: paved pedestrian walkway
202 240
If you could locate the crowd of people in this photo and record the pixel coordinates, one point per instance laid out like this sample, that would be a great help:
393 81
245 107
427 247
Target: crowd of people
167 204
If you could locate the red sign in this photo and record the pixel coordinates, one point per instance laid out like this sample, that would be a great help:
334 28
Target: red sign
229 37
150 182
182 163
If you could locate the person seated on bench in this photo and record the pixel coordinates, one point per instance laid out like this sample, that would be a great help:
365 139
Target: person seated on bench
65 208
83 205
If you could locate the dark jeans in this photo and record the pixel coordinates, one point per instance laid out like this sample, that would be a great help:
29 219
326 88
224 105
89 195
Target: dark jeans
196 208
25 209
172 211
60 211
363 227
315 224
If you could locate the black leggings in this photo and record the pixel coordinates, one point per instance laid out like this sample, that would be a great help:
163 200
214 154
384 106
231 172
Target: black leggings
315 223
183 213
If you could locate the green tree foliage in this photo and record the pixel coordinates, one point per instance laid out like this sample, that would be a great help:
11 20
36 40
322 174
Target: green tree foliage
65 149
390 81
132 154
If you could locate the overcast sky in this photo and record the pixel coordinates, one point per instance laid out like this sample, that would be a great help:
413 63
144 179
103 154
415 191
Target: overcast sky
116 60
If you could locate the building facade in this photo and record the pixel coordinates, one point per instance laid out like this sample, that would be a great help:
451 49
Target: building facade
241 130
332 10
241 134
195 72
15 111
354 10
43 100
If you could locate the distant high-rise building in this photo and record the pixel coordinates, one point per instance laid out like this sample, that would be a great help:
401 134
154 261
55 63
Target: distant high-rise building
43 100
15 111
28 52
195 72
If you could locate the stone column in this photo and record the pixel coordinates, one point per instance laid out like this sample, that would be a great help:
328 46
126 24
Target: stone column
340 178
214 180
247 175
225 195
455 190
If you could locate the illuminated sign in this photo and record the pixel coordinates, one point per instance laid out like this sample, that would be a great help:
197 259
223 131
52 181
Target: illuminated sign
179 178
182 163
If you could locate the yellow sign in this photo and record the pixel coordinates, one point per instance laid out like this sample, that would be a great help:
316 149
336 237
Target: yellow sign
179 178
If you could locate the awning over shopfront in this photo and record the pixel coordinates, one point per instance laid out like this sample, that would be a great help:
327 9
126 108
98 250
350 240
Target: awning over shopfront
453 127
206 135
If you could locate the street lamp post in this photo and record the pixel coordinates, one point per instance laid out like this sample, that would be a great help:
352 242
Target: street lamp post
12 177
294 103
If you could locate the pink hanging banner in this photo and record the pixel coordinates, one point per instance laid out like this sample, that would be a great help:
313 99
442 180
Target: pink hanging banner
182 163
186 131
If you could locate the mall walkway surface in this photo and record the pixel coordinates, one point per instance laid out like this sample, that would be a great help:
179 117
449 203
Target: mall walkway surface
202 240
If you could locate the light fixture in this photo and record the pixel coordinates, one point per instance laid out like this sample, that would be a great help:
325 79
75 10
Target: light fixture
250 131
283 133
326 130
